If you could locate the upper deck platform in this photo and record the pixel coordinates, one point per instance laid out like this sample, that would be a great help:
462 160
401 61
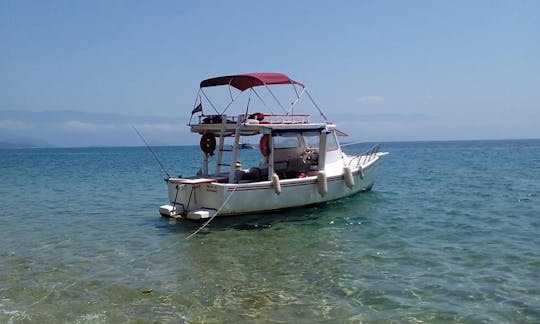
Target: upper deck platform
255 124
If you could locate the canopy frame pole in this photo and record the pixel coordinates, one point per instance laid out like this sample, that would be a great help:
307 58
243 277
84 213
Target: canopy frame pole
230 92
316 106
275 98
209 101
296 101
297 96
230 103
247 106
197 99
262 101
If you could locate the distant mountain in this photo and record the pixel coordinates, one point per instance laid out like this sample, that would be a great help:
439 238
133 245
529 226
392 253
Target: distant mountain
17 145
58 116
65 128
22 141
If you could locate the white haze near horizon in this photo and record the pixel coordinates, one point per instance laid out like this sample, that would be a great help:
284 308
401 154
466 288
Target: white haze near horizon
84 131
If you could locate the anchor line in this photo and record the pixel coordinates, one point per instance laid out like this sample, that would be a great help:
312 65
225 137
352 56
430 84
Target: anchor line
151 151
213 216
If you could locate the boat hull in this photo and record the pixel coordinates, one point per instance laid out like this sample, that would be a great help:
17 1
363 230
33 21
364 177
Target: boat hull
200 199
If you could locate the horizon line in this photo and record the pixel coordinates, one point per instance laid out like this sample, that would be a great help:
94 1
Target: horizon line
182 145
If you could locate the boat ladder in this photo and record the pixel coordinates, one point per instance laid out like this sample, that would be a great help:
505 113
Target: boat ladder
221 148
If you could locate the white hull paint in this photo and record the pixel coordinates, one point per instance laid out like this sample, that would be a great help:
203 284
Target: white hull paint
256 197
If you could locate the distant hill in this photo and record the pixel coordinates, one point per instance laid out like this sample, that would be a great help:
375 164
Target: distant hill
17 145
56 128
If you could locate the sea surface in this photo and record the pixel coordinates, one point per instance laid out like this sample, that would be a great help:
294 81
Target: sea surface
449 233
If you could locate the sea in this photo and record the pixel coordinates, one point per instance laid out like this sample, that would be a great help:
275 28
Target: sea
450 233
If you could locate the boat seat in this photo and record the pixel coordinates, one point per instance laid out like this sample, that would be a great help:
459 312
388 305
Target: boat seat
297 164
251 175
281 165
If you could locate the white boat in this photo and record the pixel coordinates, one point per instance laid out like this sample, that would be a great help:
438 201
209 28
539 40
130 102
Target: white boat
301 161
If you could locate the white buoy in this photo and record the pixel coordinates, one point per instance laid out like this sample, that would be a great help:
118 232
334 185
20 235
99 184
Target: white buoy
276 183
349 180
322 184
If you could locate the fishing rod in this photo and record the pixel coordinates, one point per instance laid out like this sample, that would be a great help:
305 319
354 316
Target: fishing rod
151 151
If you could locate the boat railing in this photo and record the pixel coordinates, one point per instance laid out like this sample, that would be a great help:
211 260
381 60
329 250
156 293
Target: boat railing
285 119
368 155
216 119
261 119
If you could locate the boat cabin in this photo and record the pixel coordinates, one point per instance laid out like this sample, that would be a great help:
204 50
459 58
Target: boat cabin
290 147
290 144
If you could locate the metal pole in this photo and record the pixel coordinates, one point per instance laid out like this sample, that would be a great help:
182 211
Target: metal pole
276 99
314 103
210 102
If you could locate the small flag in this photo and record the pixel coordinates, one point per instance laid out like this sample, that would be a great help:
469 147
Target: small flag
197 109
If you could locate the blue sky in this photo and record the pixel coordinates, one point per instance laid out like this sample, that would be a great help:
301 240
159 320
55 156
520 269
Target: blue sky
78 73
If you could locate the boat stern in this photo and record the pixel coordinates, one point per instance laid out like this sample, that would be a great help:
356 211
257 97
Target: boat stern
196 198
174 212
169 211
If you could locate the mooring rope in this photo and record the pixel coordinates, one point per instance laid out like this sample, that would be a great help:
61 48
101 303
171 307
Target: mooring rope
213 216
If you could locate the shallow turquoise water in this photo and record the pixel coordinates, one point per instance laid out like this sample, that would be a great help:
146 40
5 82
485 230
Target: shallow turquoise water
450 233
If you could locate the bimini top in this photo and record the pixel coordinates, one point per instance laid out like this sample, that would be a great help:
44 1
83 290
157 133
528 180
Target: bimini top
249 80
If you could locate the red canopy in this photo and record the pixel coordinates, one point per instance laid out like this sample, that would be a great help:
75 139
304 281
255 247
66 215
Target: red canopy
249 80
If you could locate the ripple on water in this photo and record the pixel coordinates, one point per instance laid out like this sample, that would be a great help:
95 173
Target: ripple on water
449 234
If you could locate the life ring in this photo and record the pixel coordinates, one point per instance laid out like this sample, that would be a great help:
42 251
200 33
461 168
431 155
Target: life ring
264 145
208 143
